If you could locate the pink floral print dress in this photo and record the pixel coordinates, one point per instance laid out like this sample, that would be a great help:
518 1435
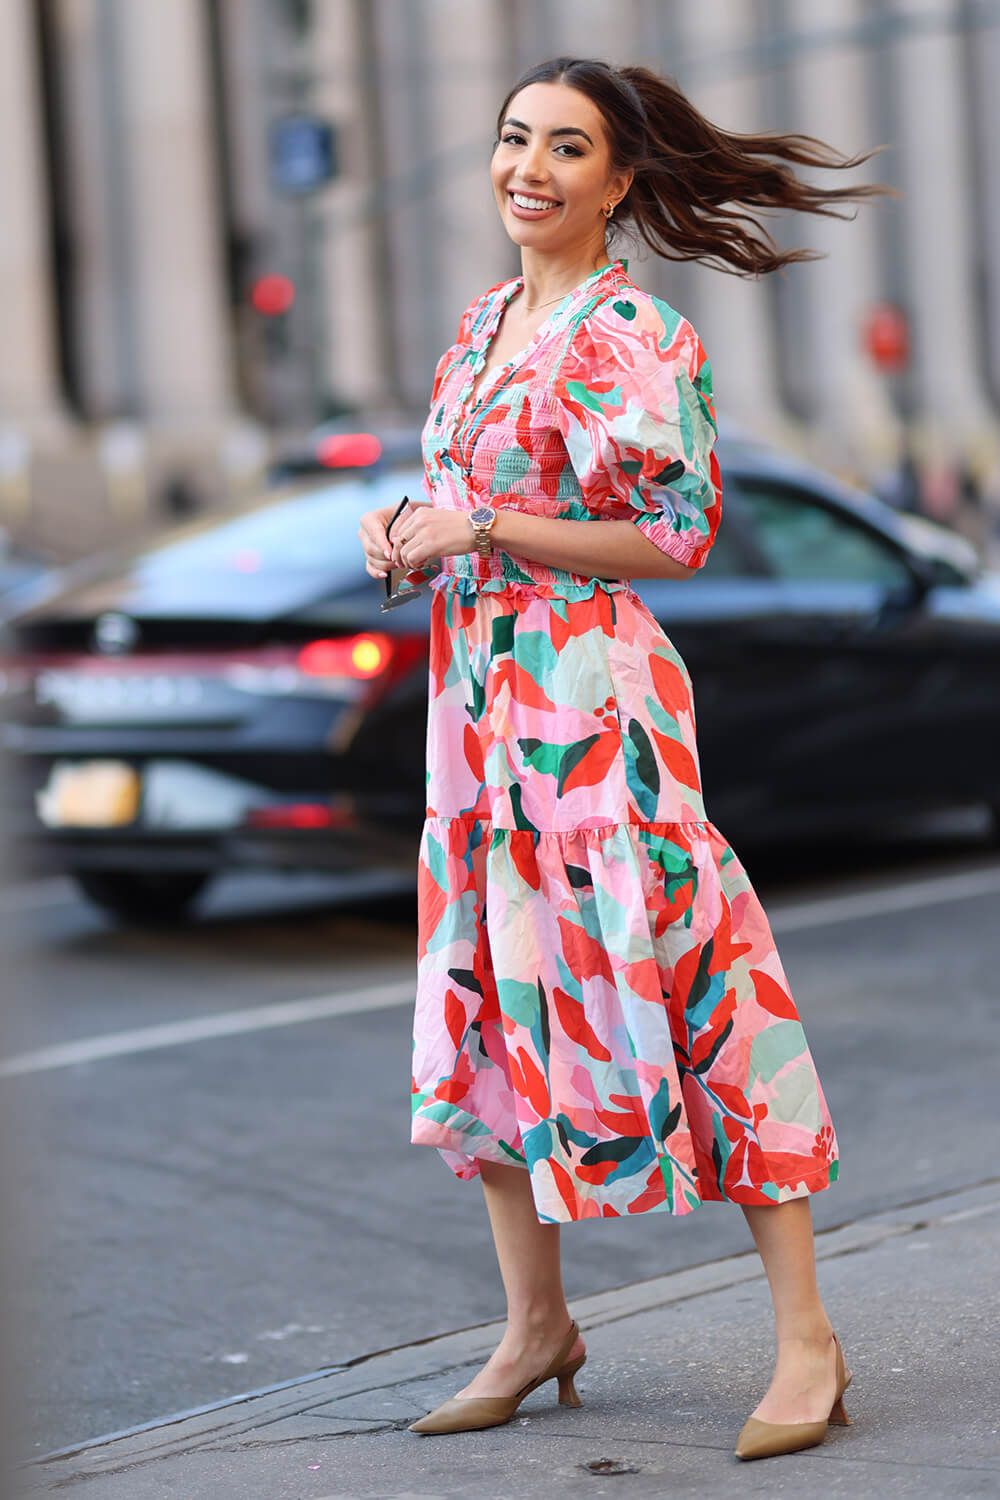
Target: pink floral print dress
599 997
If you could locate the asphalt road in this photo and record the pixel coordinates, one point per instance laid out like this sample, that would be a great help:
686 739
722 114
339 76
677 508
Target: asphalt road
218 1213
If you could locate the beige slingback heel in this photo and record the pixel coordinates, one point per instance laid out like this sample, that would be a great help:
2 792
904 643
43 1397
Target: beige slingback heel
469 1413
769 1439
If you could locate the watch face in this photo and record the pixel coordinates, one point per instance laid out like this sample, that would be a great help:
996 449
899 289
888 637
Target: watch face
482 514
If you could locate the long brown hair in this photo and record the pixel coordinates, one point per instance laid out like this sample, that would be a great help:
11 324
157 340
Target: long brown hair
695 185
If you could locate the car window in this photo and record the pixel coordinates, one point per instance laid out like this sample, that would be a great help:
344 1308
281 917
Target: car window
307 532
727 557
803 541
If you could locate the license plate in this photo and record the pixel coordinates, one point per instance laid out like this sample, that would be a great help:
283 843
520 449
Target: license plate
90 794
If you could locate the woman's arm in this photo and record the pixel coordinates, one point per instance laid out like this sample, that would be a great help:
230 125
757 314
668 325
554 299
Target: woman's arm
592 549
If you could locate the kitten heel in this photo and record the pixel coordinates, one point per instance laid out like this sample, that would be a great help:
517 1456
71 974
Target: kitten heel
568 1393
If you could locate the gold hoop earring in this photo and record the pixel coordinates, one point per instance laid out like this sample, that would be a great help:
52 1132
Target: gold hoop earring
609 209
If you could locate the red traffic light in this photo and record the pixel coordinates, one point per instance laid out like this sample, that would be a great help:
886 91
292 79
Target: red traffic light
272 295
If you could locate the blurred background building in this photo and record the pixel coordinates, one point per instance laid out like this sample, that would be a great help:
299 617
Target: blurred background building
226 220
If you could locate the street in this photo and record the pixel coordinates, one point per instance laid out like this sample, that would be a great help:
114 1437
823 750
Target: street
234 1203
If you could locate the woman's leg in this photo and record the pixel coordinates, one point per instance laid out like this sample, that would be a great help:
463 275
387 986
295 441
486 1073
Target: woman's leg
528 1255
804 1384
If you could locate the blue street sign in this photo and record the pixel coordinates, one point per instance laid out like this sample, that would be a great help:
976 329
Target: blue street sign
303 153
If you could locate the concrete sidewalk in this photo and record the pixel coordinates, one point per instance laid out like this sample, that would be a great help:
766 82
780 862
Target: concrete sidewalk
675 1365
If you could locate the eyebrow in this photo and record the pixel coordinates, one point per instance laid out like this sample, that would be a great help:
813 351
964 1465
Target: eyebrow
561 130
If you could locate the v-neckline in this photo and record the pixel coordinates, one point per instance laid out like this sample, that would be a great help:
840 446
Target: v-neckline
482 378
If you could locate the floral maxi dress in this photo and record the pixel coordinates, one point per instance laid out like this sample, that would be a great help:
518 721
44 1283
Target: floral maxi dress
599 997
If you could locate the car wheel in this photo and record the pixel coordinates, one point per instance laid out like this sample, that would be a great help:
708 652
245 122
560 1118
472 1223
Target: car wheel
134 897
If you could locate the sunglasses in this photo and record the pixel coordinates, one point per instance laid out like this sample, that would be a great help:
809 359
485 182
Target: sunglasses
394 597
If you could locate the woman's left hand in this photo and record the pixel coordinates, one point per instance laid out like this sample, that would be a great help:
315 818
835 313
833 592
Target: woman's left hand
426 533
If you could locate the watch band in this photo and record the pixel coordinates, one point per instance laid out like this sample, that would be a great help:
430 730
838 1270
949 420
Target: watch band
481 528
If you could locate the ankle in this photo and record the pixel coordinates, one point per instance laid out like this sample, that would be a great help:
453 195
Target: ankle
538 1324
815 1333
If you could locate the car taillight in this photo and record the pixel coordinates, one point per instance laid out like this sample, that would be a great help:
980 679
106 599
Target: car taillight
348 450
358 656
298 815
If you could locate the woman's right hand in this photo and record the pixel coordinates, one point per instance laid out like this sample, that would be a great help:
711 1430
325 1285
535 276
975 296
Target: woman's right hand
378 553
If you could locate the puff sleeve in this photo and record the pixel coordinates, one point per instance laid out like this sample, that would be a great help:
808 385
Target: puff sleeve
634 406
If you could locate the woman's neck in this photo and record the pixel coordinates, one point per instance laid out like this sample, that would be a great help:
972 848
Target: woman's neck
549 276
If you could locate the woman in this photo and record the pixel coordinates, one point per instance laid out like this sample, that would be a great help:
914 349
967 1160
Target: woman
602 1025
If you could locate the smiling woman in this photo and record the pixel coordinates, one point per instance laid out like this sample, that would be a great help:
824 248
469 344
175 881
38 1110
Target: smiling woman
603 1026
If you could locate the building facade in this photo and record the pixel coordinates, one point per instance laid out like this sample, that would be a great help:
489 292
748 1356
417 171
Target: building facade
147 172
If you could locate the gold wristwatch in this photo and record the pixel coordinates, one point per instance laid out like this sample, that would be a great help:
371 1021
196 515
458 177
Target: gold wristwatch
483 519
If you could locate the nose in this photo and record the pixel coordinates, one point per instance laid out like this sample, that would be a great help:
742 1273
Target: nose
533 163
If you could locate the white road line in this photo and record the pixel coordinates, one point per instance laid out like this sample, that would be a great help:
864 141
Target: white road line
207 1028
909 896
891 898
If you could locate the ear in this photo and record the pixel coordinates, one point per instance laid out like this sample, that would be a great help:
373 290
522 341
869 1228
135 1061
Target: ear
619 184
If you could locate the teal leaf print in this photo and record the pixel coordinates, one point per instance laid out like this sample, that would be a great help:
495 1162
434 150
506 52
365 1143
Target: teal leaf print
577 391
642 774
625 310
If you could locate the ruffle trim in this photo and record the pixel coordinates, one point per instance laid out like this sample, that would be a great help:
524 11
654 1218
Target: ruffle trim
468 586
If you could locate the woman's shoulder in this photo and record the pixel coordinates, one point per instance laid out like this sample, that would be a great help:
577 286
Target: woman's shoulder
636 320
479 309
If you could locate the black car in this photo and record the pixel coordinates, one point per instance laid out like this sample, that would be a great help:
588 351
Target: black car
234 696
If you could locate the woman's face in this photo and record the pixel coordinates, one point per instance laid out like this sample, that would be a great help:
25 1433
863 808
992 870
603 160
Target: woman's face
551 169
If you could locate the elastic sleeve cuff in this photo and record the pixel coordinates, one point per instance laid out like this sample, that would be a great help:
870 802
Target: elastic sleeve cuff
692 552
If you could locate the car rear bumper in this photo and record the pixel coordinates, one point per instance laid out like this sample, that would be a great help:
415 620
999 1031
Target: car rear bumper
358 845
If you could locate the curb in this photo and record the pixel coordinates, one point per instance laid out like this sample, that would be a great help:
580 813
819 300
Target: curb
430 1359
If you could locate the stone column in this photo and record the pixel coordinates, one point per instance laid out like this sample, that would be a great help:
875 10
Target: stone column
937 209
29 383
851 413
179 306
731 314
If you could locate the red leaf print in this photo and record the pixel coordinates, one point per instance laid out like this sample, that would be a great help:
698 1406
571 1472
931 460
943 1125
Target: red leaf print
452 1090
529 1081
677 758
597 762
522 687
585 956
522 852
454 1018
775 1000
576 1026
473 753
671 689
524 424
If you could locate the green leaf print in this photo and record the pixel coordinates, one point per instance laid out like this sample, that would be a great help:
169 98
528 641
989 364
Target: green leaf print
577 391
775 1046
534 652
572 757
642 775
475 708
625 310
521 820
541 756
503 635
544 1032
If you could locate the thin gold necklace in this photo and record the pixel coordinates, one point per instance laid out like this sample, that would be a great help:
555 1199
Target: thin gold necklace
539 305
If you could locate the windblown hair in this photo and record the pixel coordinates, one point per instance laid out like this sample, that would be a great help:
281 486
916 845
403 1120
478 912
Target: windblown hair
698 190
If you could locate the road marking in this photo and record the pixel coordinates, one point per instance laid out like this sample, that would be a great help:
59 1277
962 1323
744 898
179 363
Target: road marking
207 1028
909 896
882 901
